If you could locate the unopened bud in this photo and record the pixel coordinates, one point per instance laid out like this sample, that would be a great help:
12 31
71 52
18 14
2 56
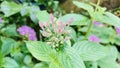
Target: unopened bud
68 31
57 45
51 17
56 40
46 34
41 25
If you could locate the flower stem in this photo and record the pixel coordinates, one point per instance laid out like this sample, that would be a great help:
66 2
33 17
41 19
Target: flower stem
89 28
92 19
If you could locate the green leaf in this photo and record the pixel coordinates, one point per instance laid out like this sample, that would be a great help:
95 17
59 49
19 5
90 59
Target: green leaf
68 59
89 51
27 59
1 59
25 9
10 30
7 45
33 13
117 40
41 50
21 57
10 8
43 16
72 34
113 20
85 6
78 19
10 63
110 60
71 59
41 65
107 18
106 34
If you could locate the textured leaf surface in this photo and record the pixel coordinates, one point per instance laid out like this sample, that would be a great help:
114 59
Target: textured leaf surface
40 50
89 51
110 60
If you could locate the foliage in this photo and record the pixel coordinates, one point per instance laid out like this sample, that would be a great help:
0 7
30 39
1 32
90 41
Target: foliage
48 40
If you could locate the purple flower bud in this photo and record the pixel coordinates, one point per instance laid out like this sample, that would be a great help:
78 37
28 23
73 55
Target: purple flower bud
1 20
118 30
27 31
94 38
98 24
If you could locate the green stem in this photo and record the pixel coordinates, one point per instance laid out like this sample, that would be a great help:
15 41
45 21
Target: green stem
98 3
89 28
92 19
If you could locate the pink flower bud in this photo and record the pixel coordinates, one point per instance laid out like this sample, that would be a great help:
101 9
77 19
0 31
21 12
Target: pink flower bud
45 34
41 25
47 24
51 17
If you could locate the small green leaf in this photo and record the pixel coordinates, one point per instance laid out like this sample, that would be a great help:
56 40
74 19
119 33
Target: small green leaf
41 65
33 13
10 63
10 8
10 30
85 6
7 45
27 59
25 10
43 16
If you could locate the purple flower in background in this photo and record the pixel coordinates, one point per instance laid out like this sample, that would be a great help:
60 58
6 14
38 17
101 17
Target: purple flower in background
96 23
94 38
1 20
118 30
27 31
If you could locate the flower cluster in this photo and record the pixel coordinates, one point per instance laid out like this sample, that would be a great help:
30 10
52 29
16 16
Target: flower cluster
56 30
28 32
94 38
1 20
118 30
